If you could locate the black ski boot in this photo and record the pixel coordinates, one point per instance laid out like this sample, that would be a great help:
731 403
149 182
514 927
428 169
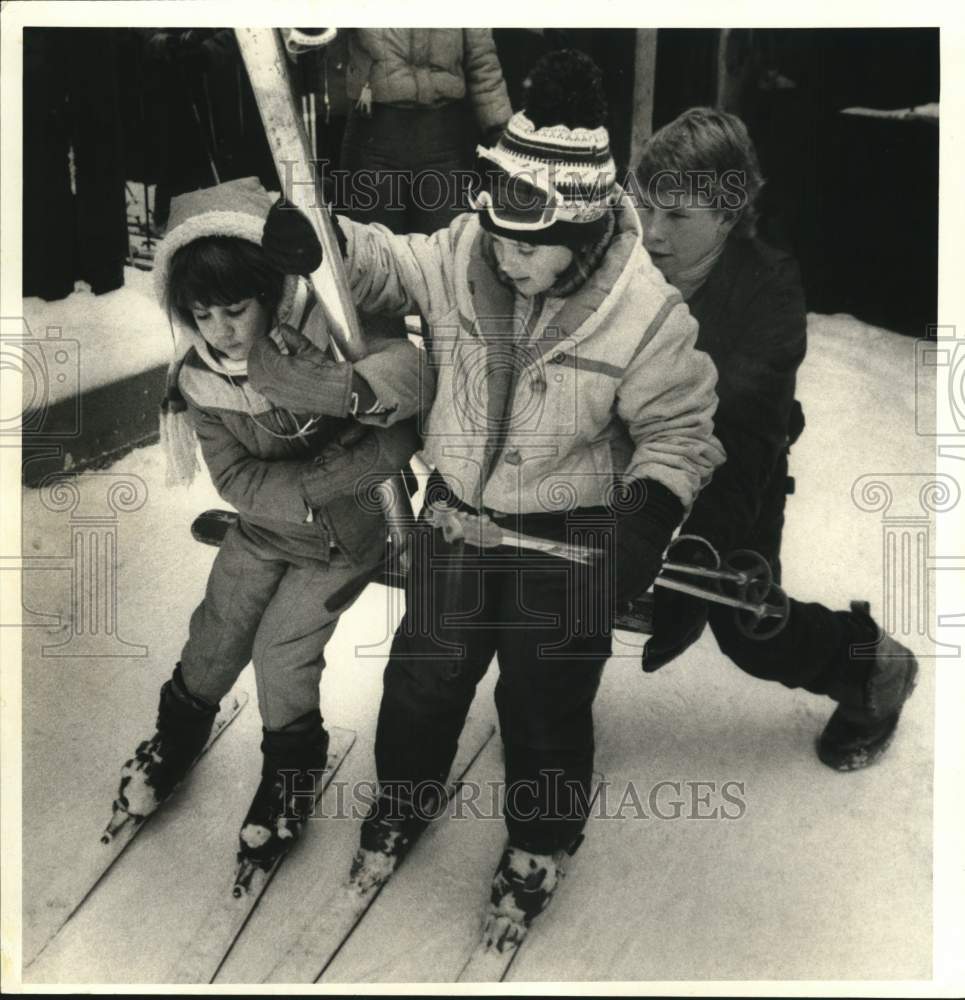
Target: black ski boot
857 735
523 886
293 760
158 765
388 831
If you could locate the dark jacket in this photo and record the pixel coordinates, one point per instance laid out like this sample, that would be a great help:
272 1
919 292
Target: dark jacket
753 325
275 481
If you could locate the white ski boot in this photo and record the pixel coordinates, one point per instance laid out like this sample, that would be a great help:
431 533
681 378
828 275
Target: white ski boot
522 888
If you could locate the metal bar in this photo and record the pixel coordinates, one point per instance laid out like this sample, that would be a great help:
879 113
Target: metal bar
761 610
733 576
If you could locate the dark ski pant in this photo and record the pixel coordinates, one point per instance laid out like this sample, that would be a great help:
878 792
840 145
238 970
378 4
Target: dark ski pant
464 606
262 605
411 159
813 651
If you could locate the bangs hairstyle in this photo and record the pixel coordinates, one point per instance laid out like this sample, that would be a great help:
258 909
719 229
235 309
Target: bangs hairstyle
709 152
219 271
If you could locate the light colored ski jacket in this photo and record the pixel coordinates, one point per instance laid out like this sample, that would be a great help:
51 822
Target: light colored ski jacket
603 384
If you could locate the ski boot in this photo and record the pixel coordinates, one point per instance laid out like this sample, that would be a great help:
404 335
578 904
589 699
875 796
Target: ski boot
292 761
158 765
390 828
522 888
857 736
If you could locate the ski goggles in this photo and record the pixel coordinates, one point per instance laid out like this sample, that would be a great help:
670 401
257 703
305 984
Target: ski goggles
522 200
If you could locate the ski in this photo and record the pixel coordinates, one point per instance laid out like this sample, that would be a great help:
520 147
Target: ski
121 830
227 917
265 54
321 939
488 965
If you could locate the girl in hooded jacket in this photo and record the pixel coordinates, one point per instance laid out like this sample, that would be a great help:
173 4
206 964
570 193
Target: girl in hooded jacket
294 477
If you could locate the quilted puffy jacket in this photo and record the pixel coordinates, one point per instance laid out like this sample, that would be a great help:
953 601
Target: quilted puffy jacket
428 66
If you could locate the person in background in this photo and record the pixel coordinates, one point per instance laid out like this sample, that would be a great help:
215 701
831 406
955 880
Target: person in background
697 185
421 99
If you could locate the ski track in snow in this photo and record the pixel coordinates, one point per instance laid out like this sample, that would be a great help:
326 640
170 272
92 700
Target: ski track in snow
804 885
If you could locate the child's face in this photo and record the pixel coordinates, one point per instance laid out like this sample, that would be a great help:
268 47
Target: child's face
532 269
681 234
233 329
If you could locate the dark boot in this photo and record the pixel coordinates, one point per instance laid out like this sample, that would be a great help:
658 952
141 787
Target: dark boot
293 760
158 765
522 888
861 729
388 831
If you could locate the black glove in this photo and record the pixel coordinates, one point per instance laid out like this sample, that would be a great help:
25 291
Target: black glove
678 619
289 240
647 514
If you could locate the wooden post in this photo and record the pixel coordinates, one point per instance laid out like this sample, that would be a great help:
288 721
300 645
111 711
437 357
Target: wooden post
644 73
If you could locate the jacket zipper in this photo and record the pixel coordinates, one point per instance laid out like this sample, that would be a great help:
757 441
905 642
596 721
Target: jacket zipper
532 319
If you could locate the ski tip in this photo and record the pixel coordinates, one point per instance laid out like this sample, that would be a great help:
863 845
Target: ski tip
243 876
118 820
236 703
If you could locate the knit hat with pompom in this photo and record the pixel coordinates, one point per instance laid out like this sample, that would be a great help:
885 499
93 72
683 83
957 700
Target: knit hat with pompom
553 155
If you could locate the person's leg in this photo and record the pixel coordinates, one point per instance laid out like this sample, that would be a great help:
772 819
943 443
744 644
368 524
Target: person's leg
842 654
441 650
289 645
551 659
551 654
242 582
289 656
436 158
803 654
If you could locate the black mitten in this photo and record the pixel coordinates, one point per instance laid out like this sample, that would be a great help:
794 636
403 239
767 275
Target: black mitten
647 514
289 240
678 619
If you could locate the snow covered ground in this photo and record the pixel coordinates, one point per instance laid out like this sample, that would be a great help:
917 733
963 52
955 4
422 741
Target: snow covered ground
120 333
823 876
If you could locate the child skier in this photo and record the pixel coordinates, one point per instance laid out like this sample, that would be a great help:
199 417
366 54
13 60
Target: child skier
292 476
570 400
